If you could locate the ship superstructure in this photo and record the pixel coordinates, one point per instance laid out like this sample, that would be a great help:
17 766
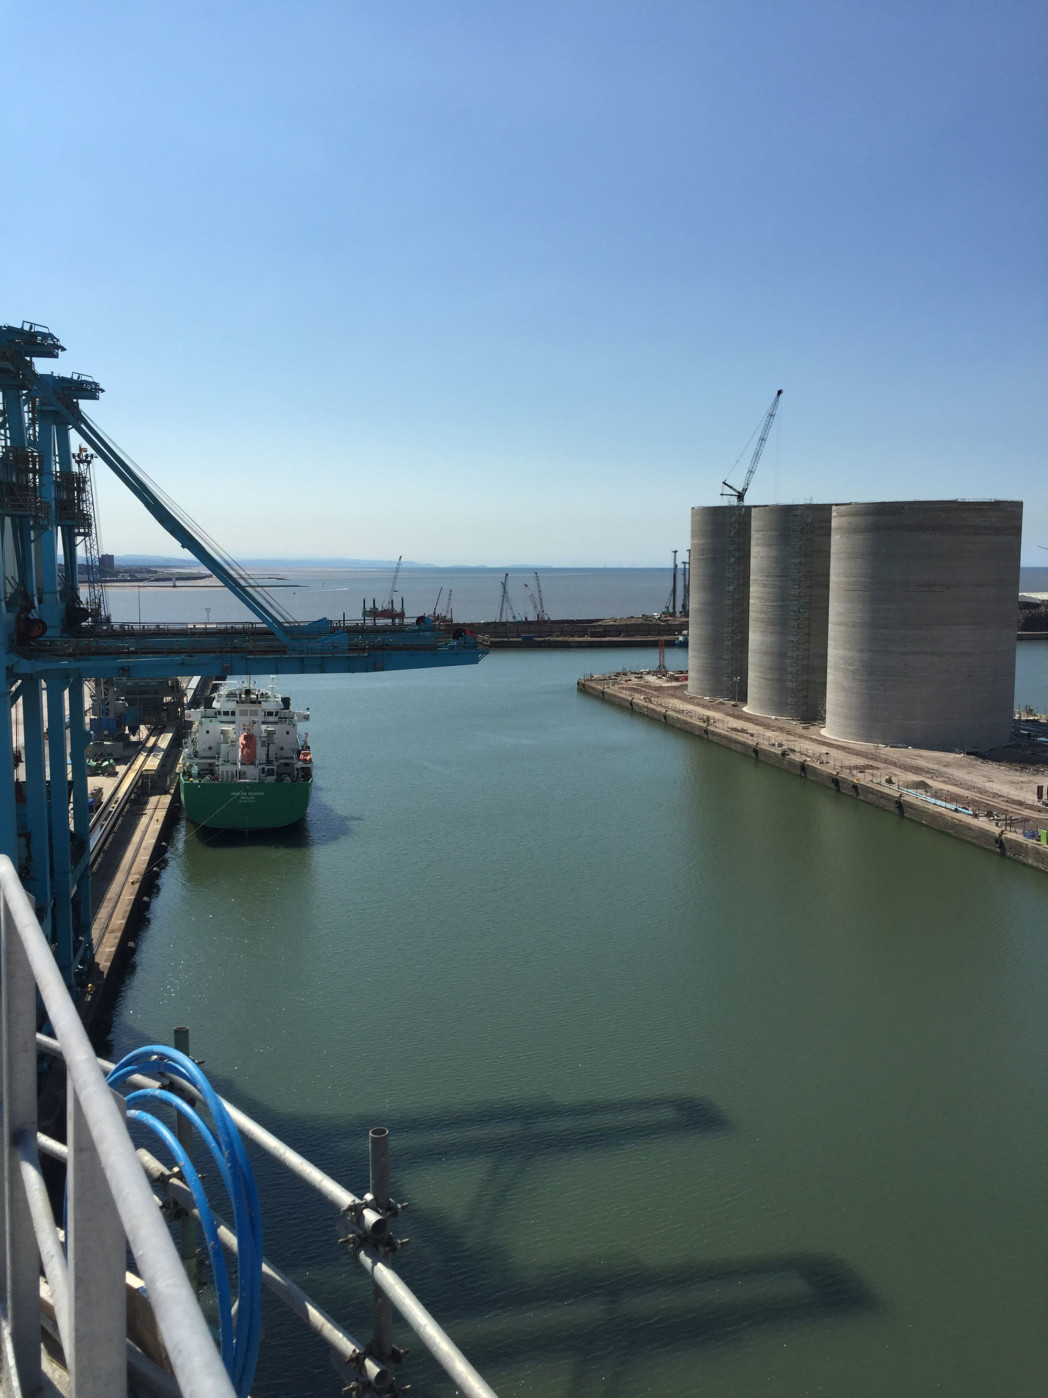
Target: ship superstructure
245 765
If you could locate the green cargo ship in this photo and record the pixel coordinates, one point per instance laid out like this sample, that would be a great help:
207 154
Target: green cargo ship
244 766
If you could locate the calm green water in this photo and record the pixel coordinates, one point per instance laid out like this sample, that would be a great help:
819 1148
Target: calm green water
701 1080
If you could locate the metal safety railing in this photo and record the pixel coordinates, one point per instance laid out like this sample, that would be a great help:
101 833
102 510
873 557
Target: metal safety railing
110 1198
367 1221
110 1201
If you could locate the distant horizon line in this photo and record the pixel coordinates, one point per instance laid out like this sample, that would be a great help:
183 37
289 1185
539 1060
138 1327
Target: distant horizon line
143 560
150 560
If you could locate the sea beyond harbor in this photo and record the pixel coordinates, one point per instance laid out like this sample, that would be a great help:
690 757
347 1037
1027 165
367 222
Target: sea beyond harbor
476 593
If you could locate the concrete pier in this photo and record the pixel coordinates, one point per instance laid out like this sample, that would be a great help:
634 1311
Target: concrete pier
574 633
987 800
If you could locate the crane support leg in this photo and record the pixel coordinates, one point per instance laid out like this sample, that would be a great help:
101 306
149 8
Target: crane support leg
79 738
61 852
39 880
8 814
50 607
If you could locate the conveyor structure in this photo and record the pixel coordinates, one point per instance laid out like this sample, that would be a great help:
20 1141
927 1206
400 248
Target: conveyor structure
53 641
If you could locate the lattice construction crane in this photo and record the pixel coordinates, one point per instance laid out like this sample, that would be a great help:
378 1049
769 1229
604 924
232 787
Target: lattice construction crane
505 605
739 495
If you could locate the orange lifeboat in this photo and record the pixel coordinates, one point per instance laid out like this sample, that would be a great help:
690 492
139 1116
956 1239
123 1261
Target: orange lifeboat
248 747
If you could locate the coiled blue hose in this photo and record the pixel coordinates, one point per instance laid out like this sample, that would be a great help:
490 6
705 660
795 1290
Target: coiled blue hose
239 1332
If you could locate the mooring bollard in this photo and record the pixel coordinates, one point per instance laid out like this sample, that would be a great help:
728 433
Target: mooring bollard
187 1230
378 1149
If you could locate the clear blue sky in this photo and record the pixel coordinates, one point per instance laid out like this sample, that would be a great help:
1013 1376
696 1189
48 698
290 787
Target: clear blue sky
489 282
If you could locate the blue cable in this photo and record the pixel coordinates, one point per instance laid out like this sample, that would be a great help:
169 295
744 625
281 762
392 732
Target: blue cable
207 1221
239 1339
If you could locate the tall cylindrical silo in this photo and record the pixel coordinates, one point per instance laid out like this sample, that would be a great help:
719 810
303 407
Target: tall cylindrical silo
718 616
922 622
789 607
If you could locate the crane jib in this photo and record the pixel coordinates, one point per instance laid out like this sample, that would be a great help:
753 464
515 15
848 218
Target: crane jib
769 418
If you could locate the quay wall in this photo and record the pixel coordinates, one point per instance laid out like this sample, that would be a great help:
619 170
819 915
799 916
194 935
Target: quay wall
986 836
574 632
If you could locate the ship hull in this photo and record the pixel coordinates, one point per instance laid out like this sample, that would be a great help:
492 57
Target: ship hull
245 805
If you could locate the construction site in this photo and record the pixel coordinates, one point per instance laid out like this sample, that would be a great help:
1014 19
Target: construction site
868 647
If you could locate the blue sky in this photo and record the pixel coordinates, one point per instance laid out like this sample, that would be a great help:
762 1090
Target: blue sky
494 282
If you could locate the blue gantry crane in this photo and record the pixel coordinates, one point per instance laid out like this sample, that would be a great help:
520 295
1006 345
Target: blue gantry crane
53 640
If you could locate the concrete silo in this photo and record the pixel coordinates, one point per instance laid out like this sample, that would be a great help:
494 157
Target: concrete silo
922 623
789 608
718 616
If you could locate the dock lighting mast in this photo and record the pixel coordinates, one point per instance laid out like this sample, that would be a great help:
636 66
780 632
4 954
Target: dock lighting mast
739 496
52 643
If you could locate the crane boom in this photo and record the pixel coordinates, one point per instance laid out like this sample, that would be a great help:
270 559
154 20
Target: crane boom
505 605
541 614
393 585
769 418
63 401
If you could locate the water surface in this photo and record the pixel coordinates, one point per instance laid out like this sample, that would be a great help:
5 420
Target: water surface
700 1079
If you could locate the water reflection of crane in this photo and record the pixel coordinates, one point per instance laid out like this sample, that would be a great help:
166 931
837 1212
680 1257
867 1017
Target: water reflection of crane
739 496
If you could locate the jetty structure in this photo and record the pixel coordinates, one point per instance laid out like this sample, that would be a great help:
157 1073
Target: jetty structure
56 637
869 647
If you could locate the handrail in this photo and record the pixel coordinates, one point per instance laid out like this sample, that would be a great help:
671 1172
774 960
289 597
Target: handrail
426 1327
106 1182
104 1178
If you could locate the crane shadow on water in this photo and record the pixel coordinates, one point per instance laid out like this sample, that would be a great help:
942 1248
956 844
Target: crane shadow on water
592 1321
601 1323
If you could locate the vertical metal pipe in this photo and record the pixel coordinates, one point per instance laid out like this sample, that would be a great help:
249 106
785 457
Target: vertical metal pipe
96 1348
18 1040
187 1229
61 851
378 1151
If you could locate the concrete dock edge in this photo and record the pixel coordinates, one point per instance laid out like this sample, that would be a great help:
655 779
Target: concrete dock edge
977 832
